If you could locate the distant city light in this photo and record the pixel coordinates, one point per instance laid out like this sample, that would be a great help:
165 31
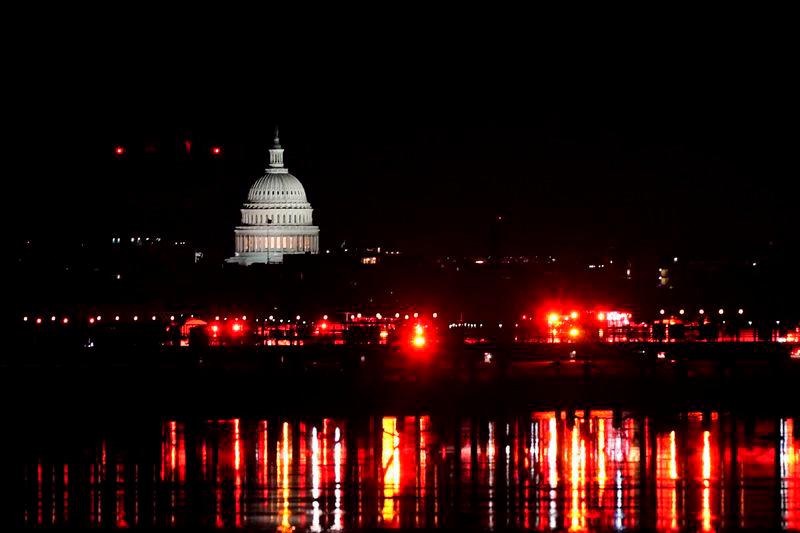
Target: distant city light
53 318
435 315
91 320
119 150
721 311
661 311
216 150
116 317
701 312
135 318
552 318
324 317
741 311
573 315
172 317
601 316
24 319
378 316
416 315
397 315
154 317
66 320
680 311
38 320
574 332
419 341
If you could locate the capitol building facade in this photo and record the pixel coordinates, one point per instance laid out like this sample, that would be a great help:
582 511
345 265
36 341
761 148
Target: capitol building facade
276 218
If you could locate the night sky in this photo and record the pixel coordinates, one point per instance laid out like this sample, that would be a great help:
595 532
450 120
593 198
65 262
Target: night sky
682 148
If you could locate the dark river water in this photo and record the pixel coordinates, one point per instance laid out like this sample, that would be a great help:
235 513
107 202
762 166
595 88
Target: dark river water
551 470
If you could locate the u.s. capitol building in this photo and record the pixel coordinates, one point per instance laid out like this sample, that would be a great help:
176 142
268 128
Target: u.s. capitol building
276 218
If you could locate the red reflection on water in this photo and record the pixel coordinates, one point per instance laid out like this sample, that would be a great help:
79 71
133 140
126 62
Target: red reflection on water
790 475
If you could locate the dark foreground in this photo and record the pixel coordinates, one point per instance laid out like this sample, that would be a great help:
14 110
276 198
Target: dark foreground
328 441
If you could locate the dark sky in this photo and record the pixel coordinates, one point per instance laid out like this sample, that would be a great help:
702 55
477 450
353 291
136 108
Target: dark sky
675 144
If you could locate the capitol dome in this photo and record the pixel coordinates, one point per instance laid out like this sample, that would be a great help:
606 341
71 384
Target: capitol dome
274 188
276 218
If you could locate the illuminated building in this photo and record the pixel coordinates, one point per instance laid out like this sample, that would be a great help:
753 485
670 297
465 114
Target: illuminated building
276 218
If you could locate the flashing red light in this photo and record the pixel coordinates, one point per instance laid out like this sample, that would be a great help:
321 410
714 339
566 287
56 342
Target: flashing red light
119 150
236 327
418 341
216 150
324 325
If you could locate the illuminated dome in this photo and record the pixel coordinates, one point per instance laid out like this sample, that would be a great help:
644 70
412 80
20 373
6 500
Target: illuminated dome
276 218
277 188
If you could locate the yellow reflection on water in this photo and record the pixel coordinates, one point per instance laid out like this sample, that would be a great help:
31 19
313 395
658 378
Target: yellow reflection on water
283 463
390 461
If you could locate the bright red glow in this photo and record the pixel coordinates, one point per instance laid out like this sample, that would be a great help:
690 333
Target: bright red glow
216 150
236 327
324 325
601 316
418 341
215 328
384 334
573 315
574 332
119 150
91 320
552 318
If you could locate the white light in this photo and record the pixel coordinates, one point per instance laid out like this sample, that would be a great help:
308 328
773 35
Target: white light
397 315
24 319
416 315
741 311
661 312
216 318
702 312
271 317
378 316
172 317
52 318
358 315
681 312
244 317
721 311
119 276
99 318
116 317
749 322
406 317
154 317
135 318
435 315
674 259
324 317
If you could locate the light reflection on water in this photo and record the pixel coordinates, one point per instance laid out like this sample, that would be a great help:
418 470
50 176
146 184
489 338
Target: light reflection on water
574 470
